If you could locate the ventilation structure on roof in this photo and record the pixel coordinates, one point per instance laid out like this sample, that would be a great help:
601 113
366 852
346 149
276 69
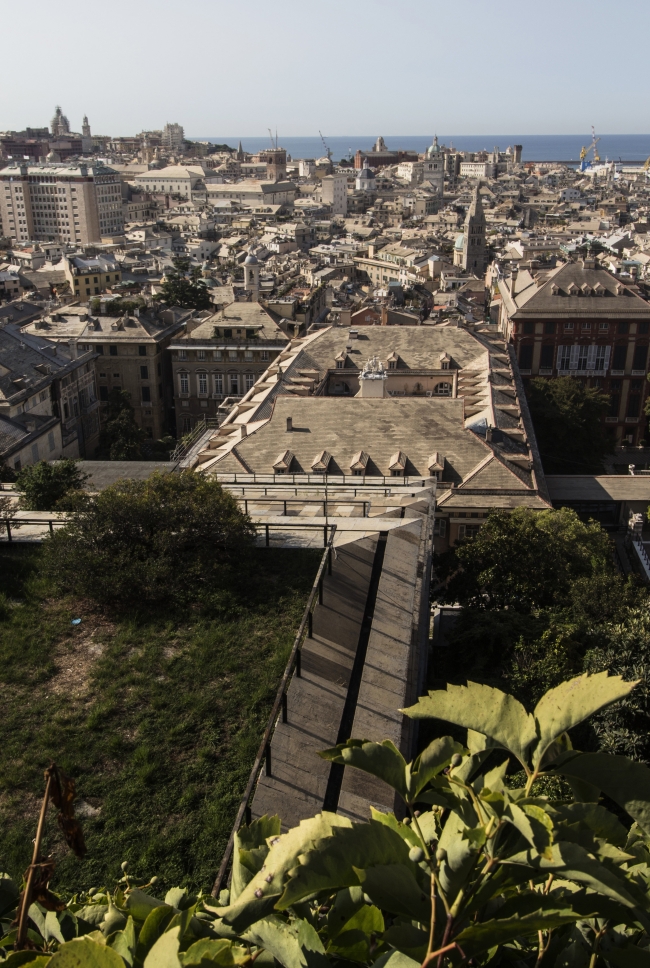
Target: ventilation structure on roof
321 462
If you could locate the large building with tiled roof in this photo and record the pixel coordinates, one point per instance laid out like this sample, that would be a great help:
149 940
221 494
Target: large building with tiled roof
581 321
475 442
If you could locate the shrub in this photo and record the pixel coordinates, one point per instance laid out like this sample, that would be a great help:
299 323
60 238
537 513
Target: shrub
45 484
145 541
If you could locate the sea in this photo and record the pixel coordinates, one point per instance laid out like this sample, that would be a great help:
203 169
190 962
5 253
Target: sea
628 148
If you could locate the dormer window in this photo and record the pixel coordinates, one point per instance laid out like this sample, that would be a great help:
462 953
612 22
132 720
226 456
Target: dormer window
392 364
339 364
445 365
555 290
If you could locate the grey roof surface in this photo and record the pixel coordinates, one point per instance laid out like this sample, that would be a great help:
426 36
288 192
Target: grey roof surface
379 427
609 487
539 301
105 472
24 360
236 316
418 347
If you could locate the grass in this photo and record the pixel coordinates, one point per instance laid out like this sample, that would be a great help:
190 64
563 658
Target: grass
157 717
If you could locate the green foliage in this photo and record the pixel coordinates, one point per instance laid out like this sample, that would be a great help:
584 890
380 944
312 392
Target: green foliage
525 559
479 870
568 419
120 438
120 306
171 536
184 287
44 484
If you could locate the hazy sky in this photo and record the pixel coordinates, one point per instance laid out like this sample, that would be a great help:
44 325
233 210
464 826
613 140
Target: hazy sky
345 66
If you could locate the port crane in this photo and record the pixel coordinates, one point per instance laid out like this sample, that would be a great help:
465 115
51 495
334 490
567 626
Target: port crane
327 150
584 164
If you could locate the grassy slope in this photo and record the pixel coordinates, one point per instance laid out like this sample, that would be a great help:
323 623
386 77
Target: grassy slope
158 718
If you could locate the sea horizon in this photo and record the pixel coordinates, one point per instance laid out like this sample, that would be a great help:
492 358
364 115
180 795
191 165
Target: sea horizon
562 147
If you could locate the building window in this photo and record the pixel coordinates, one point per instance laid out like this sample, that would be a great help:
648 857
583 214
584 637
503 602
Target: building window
634 404
440 527
184 382
526 356
142 350
218 382
546 358
112 350
144 372
640 357
234 384
203 383
200 354
529 327
549 328
620 354
643 328
103 394
232 354
146 394
248 355
623 327
442 389
182 355
250 380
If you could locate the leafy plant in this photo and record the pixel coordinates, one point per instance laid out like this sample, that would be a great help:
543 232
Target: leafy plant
44 484
479 871
184 287
568 419
120 438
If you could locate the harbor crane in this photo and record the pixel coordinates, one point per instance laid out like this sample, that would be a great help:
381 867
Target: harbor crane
584 164
327 150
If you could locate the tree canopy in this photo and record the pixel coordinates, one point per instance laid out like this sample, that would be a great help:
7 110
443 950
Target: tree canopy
146 541
567 416
120 438
44 485
184 287
525 559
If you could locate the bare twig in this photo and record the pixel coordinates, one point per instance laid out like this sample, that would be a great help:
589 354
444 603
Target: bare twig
26 896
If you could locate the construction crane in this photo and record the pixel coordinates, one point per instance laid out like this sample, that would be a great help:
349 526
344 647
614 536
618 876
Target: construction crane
327 150
274 144
584 164
646 165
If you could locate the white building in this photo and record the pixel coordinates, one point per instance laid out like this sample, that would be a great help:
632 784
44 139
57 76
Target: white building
476 169
173 136
173 180
335 193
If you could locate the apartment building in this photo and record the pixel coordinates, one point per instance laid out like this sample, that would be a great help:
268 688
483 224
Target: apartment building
60 202
219 356
128 354
580 321
91 276
48 402
335 192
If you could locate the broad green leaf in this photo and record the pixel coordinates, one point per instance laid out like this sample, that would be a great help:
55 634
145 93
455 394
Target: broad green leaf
382 760
395 959
15 959
430 762
139 905
294 946
175 895
534 824
285 849
52 927
124 942
631 956
346 903
405 831
574 863
209 951
157 922
8 894
257 833
93 913
482 937
461 856
572 702
408 939
331 863
394 888
626 782
353 943
481 708
603 823
164 953
84 953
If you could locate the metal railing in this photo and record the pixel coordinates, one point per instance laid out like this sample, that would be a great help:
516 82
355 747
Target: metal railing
642 554
324 502
329 479
189 439
9 523
305 630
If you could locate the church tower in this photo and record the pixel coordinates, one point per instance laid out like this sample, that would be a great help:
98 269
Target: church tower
474 252
85 128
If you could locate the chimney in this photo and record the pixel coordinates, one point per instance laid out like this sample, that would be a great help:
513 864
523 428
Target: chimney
513 277
384 316
289 424
488 434
243 431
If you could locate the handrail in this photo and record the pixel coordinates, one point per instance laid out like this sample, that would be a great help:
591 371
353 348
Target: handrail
365 505
280 705
418 480
9 521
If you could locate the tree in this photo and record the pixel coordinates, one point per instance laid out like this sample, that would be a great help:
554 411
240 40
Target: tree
568 420
168 537
120 438
481 870
184 287
523 560
44 484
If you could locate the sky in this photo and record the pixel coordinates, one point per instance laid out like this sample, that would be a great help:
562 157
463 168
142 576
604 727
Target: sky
238 67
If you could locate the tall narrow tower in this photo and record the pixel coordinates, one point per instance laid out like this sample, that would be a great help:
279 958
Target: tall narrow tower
85 127
474 252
